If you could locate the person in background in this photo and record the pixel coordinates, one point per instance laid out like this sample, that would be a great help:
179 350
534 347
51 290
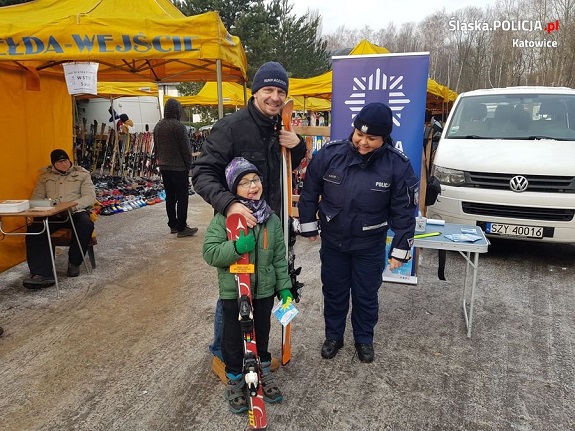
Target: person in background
366 186
174 154
256 134
62 182
265 245
124 123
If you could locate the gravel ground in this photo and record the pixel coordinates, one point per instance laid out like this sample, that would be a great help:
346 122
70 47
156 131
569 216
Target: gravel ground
125 347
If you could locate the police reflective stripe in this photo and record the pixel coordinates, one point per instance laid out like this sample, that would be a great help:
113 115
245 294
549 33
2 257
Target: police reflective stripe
400 254
308 227
375 226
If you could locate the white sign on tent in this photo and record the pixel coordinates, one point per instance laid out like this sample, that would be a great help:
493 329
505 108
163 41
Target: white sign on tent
81 77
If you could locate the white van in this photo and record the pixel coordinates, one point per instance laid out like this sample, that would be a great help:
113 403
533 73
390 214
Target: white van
506 162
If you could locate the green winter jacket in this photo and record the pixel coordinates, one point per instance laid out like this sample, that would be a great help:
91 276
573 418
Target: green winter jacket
269 256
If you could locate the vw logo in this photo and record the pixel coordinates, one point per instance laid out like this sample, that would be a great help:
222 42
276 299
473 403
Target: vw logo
518 183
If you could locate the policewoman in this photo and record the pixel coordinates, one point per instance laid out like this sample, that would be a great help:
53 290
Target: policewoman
359 187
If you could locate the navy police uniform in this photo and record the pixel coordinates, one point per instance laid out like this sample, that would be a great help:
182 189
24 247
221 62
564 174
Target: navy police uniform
358 197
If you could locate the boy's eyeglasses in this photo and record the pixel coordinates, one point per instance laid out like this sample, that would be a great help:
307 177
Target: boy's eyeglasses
248 183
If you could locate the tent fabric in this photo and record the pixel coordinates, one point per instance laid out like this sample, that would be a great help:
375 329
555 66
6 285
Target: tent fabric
126 89
132 40
33 123
114 90
320 86
233 95
364 47
316 86
301 103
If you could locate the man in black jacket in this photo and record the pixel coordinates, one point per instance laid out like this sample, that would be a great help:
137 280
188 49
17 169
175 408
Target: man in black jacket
174 154
254 133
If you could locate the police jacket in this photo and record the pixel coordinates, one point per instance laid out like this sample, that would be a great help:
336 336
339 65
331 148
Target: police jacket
74 185
271 270
360 197
249 134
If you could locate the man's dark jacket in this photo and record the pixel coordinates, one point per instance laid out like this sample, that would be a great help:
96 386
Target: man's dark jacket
249 134
173 149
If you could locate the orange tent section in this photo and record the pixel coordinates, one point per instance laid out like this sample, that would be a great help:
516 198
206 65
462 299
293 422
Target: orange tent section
131 40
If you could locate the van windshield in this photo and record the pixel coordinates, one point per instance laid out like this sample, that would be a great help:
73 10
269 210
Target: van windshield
514 116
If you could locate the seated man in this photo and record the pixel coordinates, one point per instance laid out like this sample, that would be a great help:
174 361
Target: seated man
62 182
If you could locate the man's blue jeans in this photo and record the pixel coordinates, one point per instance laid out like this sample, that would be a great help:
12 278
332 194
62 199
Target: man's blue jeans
216 346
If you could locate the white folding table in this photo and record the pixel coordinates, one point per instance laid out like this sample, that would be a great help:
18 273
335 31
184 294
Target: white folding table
470 252
44 214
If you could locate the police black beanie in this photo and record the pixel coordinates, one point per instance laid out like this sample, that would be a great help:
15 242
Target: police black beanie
58 155
271 74
374 119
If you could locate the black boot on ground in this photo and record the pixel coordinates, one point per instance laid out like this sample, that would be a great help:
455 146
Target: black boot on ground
73 270
330 348
364 352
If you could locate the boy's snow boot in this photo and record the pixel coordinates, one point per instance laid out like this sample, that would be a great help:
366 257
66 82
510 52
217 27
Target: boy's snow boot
272 393
275 364
235 393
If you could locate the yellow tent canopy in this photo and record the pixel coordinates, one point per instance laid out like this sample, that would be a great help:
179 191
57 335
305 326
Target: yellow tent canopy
132 40
316 86
365 47
301 103
321 85
126 89
233 95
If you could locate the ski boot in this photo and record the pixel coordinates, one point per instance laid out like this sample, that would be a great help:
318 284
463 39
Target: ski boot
235 393
272 393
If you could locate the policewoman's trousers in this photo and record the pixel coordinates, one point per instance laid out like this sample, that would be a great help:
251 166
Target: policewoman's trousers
357 273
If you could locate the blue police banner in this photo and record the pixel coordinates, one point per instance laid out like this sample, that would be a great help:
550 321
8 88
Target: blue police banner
399 81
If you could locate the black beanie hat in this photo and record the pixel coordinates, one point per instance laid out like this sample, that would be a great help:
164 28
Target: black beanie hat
374 119
57 155
271 74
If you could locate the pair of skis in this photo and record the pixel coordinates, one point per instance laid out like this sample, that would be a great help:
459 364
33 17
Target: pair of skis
289 230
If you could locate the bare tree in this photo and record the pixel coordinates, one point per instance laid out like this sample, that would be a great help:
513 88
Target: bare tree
515 42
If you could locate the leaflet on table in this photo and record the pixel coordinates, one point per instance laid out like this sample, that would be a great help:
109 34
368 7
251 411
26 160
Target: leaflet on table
406 273
466 235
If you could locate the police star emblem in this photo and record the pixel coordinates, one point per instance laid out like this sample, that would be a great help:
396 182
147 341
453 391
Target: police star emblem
364 128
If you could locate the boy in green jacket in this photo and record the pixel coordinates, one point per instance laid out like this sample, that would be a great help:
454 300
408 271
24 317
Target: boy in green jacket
267 251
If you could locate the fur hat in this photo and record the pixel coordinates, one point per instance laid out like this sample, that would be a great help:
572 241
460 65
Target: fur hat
58 155
270 74
374 119
236 170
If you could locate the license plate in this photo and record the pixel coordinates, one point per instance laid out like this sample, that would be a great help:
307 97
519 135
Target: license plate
514 230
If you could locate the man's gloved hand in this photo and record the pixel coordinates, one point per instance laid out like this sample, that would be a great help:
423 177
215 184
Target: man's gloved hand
285 296
245 244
